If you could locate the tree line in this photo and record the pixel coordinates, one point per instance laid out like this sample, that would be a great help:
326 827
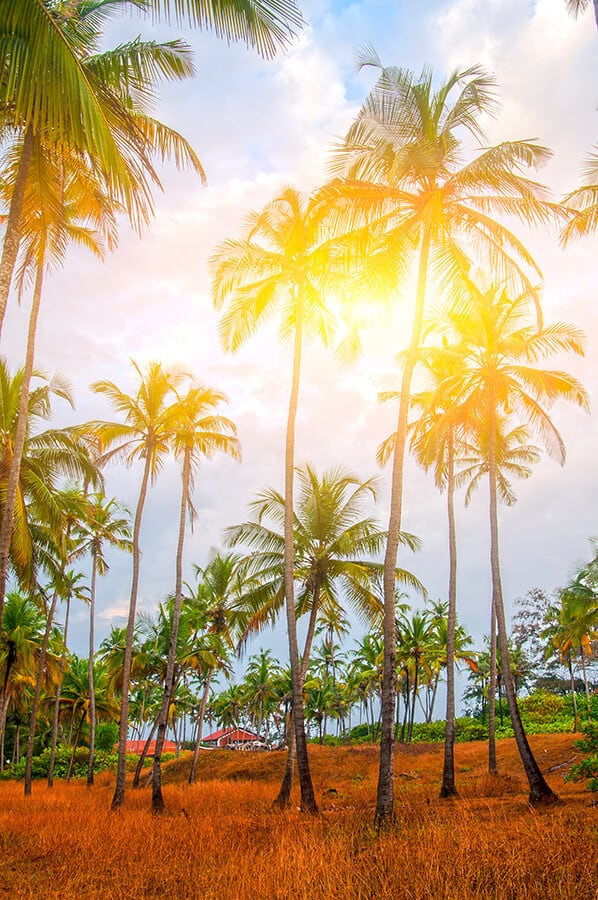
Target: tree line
407 196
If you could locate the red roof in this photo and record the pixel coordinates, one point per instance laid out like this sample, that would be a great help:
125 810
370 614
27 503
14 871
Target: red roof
231 734
137 747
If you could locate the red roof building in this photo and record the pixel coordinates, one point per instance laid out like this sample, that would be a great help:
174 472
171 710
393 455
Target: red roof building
227 736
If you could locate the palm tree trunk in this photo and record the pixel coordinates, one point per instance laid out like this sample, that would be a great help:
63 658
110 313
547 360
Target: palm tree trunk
41 664
448 788
12 236
56 714
573 693
540 792
585 681
283 800
492 766
75 746
92 696
121 770
200 718
308 800
12 486
143 755
385 793
157 798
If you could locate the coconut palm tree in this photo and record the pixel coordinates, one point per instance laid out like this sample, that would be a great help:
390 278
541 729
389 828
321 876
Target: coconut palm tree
63 203
584 202
286 264
198 432
576 7
106 524
500 347
217 600
57 87
331 539
20 639
403 173
145 435
47 456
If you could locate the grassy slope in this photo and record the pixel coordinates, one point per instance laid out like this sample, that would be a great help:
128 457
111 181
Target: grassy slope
221 839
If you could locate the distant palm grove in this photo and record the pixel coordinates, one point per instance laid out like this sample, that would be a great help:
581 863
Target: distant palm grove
418 209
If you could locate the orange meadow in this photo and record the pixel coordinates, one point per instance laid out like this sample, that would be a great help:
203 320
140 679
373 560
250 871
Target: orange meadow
220 838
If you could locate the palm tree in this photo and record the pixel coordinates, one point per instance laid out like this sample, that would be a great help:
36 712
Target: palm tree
21 634
197 432
331 539
402 159
286 264
71 587
144 435
55 87
403 173
63 202
46 457
584 202
259 689
217 600
576 7
500 350
106 523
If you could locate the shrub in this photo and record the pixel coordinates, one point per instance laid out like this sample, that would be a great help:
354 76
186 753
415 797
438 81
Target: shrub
588 768
40 764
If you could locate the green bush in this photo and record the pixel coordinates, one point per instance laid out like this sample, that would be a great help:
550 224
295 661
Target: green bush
106 736
40 764
588 768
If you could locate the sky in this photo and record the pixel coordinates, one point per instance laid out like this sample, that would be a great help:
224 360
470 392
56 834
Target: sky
258 126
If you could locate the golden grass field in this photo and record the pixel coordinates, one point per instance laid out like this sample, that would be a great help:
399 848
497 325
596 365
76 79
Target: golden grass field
221 839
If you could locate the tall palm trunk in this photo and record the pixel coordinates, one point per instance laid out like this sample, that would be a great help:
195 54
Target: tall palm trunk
12 235
92 694
585 682
6 692
385 793
12 486
121 771
573 692
143 755
200 718
308 800
41 665
283 800
56 713
448 788
492 765
157 798
540 792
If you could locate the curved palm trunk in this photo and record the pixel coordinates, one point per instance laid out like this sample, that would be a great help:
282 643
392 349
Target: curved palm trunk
92 695
385 793
308 800
121 771
283 800
157 798
492 765
540 792
12 236
56 713
448 788
12 486
200 718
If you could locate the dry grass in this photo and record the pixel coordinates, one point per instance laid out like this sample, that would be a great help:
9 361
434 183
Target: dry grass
220 838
